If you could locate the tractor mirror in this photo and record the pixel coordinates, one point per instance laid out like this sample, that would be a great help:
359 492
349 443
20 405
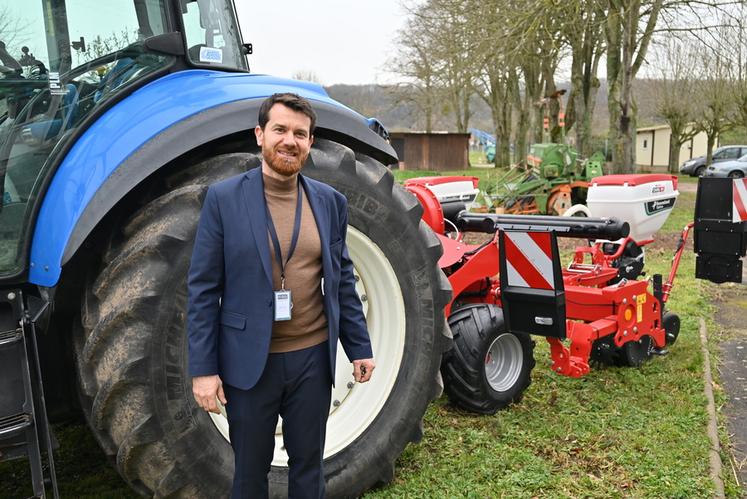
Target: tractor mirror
720 229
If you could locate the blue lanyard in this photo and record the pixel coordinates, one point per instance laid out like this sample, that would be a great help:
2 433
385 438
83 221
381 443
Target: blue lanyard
274 234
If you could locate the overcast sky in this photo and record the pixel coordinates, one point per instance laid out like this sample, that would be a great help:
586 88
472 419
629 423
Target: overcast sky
341 41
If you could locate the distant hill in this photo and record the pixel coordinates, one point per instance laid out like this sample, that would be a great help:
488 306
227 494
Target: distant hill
380 101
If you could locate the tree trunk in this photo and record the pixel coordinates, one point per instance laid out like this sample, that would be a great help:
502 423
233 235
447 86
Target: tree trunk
428 110
710 142
579 109
674 154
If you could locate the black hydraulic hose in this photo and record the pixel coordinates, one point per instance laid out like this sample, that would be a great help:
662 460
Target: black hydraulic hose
580 227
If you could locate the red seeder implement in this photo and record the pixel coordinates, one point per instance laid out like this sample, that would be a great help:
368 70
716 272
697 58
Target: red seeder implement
598 308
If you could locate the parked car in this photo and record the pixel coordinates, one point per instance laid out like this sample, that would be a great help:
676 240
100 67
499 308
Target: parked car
731 169
696 167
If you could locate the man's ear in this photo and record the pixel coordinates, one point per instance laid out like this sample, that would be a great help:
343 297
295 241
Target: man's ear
259 134
311 141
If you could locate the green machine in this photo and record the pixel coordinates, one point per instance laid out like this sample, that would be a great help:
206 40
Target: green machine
554 181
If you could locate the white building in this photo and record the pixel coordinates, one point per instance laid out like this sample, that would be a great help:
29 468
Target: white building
652 148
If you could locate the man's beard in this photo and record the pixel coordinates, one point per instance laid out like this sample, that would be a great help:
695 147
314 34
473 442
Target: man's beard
284 165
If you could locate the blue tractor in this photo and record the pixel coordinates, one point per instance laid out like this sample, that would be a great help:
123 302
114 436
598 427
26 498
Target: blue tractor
114 118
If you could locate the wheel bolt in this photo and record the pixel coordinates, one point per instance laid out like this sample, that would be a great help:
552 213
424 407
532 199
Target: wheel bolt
625 333
11 296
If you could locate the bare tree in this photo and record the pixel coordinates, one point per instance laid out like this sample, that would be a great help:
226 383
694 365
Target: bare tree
584 33
12 32
306 75
452 45
629 26
674 90
414 61
496 82
713 88
739 54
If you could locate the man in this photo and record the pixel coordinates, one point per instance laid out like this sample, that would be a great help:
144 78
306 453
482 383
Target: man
271 289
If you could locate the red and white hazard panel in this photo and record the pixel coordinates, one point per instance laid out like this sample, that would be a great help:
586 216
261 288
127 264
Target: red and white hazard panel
739 199
529 259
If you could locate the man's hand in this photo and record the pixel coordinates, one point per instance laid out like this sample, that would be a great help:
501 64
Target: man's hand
362 369
206 389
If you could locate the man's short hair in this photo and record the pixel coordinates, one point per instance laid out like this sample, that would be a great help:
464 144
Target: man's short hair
291 101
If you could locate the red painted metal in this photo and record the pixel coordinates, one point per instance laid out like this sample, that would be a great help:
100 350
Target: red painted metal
634 179
667 287
433 214
624 310
426 181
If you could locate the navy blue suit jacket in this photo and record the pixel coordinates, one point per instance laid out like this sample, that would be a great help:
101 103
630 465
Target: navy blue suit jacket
230 311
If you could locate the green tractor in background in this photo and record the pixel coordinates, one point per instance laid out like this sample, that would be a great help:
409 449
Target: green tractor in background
554 182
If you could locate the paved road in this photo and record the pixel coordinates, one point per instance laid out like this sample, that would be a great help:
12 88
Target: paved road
733 370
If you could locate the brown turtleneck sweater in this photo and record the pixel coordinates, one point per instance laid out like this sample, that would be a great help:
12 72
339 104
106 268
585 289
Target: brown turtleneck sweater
303 274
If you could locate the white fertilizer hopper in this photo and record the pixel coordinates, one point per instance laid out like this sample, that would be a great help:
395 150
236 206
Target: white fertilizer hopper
643 200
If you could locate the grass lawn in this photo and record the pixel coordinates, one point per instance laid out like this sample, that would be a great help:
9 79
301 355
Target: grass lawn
618 432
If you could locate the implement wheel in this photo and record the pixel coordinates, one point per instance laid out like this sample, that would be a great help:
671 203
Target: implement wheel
671 324
132 349
489 367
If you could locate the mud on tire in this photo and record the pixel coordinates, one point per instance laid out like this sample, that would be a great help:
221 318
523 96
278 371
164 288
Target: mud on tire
131 349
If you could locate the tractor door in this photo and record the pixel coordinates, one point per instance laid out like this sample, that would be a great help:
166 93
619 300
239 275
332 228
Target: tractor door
64 64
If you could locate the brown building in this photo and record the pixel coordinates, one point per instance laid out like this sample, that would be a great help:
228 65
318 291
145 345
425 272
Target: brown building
438 151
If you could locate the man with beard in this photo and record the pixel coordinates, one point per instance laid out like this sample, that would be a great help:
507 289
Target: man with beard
271 289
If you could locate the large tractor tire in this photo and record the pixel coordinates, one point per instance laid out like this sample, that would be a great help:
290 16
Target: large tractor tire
489 367
132 349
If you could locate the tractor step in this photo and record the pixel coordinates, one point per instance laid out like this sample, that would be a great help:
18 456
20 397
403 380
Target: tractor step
23 416
12 425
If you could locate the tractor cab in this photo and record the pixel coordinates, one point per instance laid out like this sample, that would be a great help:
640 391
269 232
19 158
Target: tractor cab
64 62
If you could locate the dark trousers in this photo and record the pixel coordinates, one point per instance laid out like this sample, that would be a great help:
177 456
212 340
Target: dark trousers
297 386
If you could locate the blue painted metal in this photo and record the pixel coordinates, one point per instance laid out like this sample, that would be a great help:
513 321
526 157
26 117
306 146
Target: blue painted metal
484 138
121 131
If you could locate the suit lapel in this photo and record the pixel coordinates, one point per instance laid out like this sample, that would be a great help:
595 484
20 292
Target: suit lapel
322 220
252 189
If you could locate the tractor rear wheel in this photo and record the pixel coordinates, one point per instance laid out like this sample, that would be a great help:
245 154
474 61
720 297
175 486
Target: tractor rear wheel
132 350
489 367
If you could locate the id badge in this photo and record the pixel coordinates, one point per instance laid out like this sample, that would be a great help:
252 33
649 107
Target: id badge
283 305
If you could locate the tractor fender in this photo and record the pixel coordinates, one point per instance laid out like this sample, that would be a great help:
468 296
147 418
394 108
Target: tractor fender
155 125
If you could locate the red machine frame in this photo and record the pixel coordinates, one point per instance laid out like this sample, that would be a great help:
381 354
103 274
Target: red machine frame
625 310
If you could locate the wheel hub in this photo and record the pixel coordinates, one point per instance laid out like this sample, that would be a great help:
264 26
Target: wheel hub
503 362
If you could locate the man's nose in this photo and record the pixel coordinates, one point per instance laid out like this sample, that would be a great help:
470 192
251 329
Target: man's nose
289 138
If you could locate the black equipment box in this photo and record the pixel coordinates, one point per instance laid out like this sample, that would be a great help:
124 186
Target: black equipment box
720 242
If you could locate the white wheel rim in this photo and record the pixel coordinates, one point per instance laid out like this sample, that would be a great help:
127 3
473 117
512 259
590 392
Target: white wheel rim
354 406
503 362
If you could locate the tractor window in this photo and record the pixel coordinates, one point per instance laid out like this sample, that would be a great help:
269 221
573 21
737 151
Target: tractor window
61 61
213 37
